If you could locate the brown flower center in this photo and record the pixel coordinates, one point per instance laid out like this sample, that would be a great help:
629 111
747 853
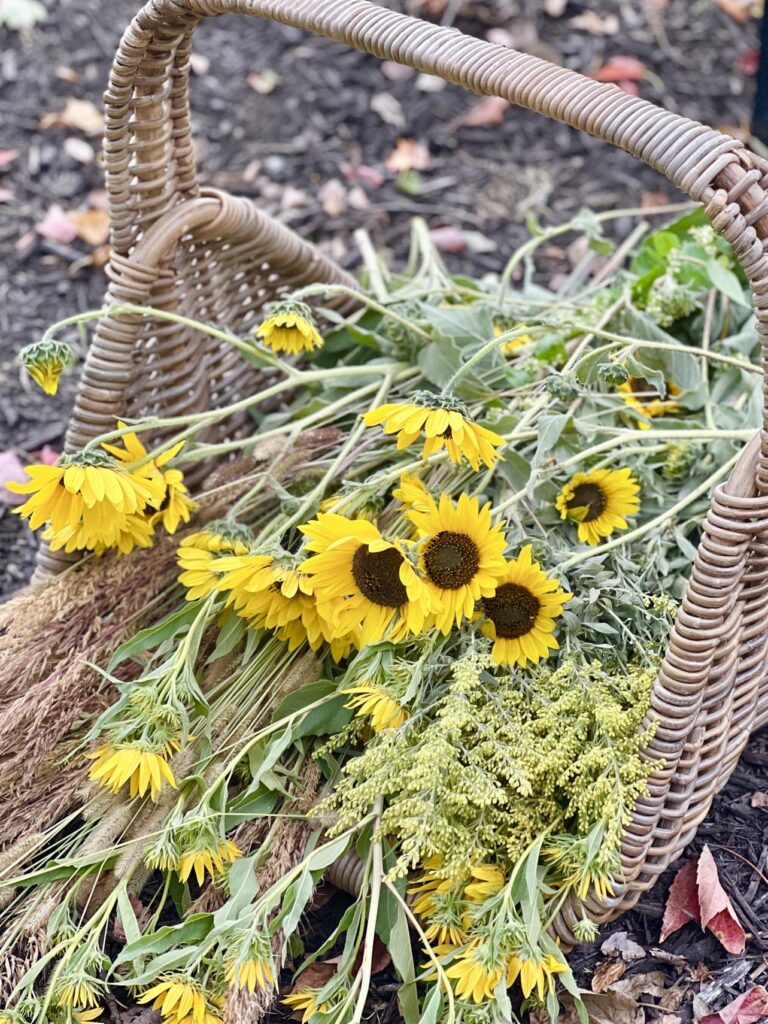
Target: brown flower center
451 559
591 497
377 575
643 391
512 610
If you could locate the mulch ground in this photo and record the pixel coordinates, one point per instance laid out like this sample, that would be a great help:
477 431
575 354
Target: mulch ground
307 127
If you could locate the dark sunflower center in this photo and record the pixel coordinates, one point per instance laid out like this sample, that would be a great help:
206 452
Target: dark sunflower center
452 559
377 575
643 391
591 497
512 610
447 434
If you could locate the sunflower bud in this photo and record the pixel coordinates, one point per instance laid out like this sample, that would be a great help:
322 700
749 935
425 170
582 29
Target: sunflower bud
613 374
45 361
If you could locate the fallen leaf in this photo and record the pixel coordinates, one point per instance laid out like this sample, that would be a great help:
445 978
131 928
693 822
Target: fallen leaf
554 8
67 74
57 226
621 68
21 14
648 984
759 800
263 82
620 944
603 1008
596 24
739 10
408 155
11 471
91 225
449 239
489 111
79 115
333 197
388 108
744 1009
7 195
200 64
606 974
7 157
717 913
79 149
682 901
397 72
748 62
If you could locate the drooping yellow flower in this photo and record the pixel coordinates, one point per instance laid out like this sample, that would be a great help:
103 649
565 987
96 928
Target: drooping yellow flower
252 974
488 880
475 973
198 556
599 501
412 493
363 584
210 858
181 1001
510 347
443 426
175 505
85 1016
520 616
45 362
437 899
80 995
640 395
290 328
87 492
144 770
133 532
306 1003
536 971
461 556
374 701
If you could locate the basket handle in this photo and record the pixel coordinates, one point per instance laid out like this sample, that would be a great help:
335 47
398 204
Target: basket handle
150 165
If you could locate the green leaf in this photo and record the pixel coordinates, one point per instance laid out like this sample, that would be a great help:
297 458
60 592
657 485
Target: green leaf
148 639
325 720
326 854
439 360
295 900
249 805
243 885
127 917
726 282
194 929
432 1005
398 942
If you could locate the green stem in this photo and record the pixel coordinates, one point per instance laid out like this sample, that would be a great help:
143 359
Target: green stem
484 350
377 874
364 300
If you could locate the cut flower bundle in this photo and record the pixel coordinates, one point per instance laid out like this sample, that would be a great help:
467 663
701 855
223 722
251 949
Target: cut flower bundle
426 649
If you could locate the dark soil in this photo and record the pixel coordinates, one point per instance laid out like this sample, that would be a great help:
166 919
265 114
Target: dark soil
320 124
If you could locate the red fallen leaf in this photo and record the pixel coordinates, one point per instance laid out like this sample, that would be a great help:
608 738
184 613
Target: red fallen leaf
448 239
57 226
717 912
11 471
7 156
408 155
747 1008
489 111
682 901
361 172
621 68
748 62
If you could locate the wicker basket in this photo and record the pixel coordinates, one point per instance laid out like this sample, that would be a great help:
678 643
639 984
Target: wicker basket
211 256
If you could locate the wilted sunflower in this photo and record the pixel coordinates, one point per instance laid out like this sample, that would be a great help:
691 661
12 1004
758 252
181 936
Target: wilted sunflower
207 856
305 1002
374 701
444 424
520 615
198 555
412 493
642 396
487 880
510 347
437 899
536 971
252 974
363 584
599 501
290 328
461 556
181 1001
476 973
144 770
45 361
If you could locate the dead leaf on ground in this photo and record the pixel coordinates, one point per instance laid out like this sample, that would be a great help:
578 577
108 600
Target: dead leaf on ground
388 108
620 944
747 1008
697 895
79 115
7 157
606 974
408 155
739 10
759 800
621 68
596 24
603 1008
91 225
648 984
263 82
489 111
57 226
333 197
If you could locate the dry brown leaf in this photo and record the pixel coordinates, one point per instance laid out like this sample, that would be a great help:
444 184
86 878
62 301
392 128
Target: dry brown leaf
91 225
620 944
57 226
79 115
489 111
408 155
606 974
7 157
333 197
388 108
759 800
596 24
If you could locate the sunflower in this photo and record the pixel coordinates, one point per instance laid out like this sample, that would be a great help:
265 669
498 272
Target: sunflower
210 858
437 899
87 1016
252 974
363 584
181 1001
642 396
488 879
476 973
81 994
444 425
88 491
384 710
175 505
461 556
510 347
132 532
520 616
306 1003
412 493
45 362
599 502
290 328
197 555
536 971
144 770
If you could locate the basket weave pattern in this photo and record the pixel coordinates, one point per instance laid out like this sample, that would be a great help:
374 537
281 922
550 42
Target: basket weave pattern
214 257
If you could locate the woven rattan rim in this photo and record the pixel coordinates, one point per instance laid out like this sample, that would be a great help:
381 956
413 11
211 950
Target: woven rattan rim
712 689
